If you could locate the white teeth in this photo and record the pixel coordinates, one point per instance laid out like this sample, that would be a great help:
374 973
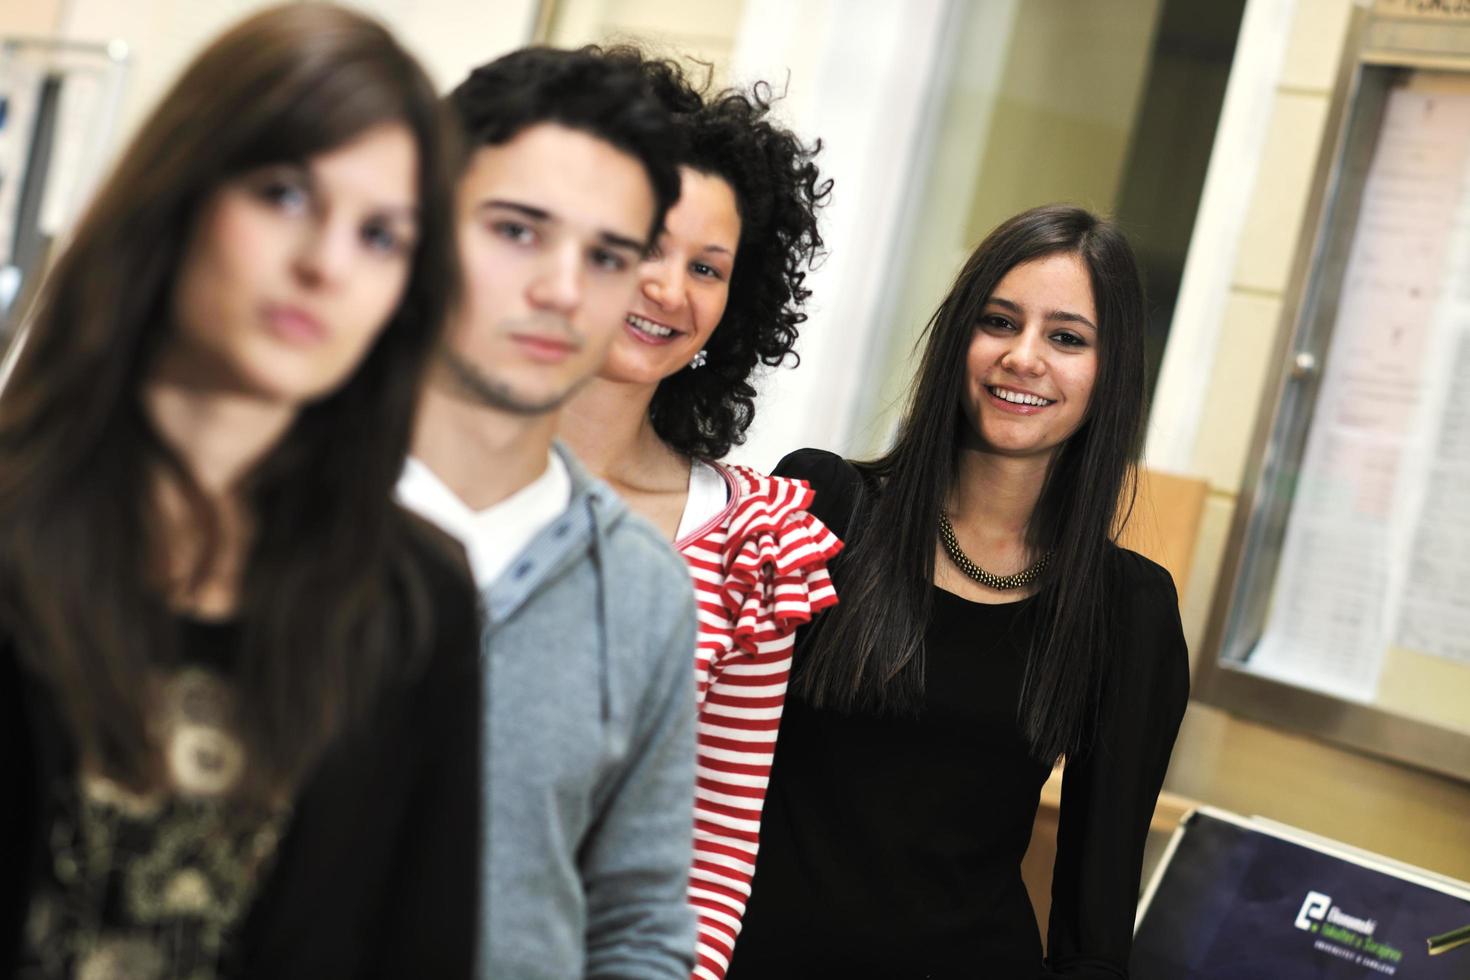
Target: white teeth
649 327
1018 397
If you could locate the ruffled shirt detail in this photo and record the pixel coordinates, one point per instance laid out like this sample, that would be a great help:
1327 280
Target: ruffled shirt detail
760 571
776 558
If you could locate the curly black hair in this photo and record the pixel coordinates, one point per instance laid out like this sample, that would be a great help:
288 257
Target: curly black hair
601 92
729 134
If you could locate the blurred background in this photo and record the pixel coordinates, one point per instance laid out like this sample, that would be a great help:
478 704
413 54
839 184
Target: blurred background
1199 124
939 118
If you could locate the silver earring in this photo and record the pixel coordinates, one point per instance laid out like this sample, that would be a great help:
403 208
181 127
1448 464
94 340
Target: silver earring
700 359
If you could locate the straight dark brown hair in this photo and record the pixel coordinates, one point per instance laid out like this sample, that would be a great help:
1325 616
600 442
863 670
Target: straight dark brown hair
332 602
869 651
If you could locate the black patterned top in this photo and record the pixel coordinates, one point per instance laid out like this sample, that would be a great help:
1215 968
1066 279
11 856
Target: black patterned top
157 886
370 869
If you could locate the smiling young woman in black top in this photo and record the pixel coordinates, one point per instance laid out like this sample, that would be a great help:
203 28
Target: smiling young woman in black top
929 707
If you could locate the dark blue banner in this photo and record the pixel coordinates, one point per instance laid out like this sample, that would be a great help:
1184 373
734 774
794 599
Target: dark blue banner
1239 903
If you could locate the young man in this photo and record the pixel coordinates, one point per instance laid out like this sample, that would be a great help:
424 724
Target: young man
590 618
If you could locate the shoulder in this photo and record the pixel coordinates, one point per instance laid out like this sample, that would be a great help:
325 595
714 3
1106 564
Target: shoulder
627 544
774 558
1148 627
818 467
836 484
778 506
772 498
440 582
649 613
439 557
1141 578
634 545
755 502
636 559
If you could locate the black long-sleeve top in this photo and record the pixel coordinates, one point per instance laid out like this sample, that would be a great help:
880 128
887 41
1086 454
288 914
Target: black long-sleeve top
370 869
891 846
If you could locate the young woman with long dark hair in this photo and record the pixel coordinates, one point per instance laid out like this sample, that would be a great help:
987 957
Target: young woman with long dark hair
720 295
238 684
989 626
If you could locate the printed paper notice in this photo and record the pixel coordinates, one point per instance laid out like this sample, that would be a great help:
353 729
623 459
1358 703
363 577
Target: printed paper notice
1377 545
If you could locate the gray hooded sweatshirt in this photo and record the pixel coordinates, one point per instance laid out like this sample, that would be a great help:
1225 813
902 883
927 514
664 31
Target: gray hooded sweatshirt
589 764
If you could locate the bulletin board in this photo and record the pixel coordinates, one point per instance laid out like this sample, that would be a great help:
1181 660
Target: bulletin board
1343 609
59 102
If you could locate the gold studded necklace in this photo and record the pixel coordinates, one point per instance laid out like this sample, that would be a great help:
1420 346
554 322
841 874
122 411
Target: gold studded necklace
999 582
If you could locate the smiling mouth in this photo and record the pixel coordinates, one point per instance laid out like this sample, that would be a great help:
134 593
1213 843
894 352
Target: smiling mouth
650 329
1019 397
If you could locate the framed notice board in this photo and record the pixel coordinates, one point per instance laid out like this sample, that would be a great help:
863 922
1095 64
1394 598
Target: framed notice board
58 103
1343 608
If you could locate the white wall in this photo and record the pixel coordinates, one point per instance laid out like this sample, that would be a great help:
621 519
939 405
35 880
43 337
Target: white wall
861 77
452 36
1036 102
700 30
449 36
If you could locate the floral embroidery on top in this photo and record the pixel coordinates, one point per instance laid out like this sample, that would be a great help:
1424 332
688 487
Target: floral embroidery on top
152 886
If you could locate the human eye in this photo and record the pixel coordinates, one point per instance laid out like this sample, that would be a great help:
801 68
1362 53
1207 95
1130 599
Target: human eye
282 189
382 237
1068 338
517 232
607 260
705 271
996 323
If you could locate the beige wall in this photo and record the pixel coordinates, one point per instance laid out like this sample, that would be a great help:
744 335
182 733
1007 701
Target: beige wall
448 36
702 30
1065 108
29 18
1221 760
1039 106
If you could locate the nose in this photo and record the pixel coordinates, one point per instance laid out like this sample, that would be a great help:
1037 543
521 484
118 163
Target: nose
1026 353
557 283
663 284
325 253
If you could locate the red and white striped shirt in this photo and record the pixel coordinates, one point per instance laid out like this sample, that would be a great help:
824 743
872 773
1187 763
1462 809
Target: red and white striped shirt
760 571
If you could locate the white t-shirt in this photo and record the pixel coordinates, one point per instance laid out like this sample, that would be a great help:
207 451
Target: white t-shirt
492 537
708 495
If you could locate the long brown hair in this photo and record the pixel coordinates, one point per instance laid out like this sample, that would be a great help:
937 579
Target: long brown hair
330 589
869 652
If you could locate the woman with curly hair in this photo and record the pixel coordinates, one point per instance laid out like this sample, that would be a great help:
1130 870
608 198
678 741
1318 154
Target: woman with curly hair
719 295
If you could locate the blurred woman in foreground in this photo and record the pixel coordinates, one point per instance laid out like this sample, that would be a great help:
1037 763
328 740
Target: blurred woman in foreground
238 685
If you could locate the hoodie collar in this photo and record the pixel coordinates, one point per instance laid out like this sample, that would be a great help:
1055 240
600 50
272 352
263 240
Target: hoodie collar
579 531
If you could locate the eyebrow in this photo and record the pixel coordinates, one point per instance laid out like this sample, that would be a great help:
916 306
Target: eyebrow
613 240
535 214
609 238
400 212
1064 316
393 212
